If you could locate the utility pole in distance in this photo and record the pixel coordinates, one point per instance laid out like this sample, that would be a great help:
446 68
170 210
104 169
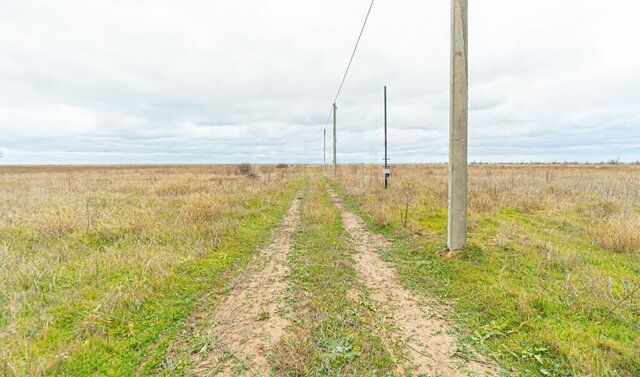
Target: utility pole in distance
458 118
386 159
335 161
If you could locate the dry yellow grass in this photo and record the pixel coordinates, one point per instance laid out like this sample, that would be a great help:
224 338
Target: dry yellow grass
550 281
606 197
619 234
100 264
84 247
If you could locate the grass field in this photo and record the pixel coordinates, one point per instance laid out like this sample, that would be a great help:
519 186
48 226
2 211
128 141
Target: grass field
100 265
103 268
549 283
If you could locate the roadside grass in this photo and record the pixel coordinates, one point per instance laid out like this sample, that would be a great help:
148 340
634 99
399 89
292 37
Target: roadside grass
101 265
333 332
536 287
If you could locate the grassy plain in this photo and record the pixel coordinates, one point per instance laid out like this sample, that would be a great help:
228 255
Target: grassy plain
100 265
550 281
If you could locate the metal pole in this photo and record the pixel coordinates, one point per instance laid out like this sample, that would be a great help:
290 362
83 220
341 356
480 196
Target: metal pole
324 152
335 160
386 159
458 118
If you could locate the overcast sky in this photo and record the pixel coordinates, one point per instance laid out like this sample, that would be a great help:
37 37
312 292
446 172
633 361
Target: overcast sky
253 80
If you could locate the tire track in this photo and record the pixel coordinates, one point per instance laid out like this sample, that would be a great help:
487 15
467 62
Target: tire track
425 340
248 321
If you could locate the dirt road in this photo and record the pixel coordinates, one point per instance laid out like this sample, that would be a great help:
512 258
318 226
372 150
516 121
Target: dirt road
248 321
246 324
423 335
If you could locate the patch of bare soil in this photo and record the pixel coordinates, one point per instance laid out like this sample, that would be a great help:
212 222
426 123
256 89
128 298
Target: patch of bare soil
424 336
248 321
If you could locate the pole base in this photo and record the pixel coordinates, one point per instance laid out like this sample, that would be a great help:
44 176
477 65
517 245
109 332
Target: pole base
450 254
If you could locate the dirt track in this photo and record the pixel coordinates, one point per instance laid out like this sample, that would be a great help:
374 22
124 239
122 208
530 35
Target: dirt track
423 336
247 322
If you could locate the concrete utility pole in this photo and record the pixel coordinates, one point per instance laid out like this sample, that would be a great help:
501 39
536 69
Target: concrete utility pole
459 107
335 161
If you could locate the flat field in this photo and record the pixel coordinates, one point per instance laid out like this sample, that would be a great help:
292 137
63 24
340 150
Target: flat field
550 281
99 265
237 270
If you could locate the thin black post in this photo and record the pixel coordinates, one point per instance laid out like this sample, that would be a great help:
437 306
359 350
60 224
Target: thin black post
324 152
386 166
335 159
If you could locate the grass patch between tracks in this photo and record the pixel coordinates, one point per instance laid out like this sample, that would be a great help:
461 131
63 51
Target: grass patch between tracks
333 330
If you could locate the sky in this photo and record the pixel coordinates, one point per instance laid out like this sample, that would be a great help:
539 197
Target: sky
218 81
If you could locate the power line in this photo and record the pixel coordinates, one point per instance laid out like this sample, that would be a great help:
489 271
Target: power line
353 54
355 48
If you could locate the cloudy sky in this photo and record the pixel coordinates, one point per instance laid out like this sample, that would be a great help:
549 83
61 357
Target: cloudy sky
253 80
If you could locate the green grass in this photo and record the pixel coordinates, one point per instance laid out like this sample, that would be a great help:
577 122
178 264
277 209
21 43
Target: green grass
121 317
529 289
333 333
99 277
137 340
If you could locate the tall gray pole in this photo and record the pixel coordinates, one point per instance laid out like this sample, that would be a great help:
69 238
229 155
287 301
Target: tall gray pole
457 223
335 161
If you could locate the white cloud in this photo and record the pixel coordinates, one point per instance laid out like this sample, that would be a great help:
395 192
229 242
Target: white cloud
252 80
45 120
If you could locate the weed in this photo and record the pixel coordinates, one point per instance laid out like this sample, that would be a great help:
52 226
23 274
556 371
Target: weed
263 315
619 234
